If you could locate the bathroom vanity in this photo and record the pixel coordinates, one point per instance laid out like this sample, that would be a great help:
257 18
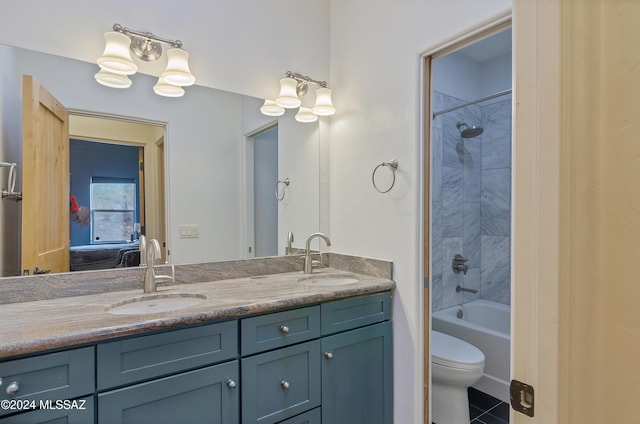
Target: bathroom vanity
263 349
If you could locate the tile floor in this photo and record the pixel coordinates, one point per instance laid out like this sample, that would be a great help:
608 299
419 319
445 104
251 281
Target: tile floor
485 409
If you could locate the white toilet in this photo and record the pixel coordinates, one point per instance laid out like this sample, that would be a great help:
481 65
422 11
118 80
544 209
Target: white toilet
455 365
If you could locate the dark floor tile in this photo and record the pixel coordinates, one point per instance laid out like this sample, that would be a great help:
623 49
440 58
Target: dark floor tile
474 411
497 415
482 400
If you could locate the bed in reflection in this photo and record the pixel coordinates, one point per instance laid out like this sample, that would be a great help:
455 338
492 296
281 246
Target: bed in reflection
104 256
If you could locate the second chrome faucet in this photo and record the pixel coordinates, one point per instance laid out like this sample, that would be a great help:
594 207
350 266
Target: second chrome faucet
308 262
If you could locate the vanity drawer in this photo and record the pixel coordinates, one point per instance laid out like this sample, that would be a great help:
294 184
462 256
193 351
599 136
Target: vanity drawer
346 314
311 417
141 358
279 329
281 384
54 376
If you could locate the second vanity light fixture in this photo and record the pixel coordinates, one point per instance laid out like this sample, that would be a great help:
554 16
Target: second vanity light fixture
294 85
116 63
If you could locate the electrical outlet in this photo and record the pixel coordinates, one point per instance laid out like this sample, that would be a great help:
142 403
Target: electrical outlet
189 231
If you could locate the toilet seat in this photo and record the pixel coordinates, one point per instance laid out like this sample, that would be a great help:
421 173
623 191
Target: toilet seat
450 352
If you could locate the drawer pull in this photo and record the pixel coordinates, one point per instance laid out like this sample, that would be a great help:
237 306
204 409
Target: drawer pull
13 388
328 355
285 384
231 383
284 329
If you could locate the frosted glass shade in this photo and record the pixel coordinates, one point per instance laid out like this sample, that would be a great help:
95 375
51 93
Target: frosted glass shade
305 115
112 80
288 97
271 108
116 57
177 72
162 88
323 106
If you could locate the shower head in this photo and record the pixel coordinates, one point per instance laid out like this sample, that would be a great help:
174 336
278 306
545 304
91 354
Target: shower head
469 132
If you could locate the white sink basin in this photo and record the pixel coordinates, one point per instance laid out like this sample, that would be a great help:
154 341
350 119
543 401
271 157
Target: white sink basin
153 303
328 279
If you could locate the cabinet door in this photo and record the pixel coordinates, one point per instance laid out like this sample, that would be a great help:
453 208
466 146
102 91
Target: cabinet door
280 384
78 411
205 396
357 376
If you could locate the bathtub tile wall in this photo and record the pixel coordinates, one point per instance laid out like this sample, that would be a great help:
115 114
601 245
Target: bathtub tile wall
471 194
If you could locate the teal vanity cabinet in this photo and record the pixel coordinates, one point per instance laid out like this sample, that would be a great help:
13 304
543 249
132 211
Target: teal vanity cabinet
182 376
336 356
327 363
357 366
60 384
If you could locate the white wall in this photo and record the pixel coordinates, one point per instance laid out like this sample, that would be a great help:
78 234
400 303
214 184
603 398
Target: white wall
375 76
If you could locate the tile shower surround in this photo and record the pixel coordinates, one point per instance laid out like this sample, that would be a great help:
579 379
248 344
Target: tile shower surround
471 205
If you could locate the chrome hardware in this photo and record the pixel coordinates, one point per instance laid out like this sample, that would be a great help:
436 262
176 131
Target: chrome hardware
285 183
328 355
13 388
308 262
459 289
231 383
393 167
150 277
284 329
289 247
285 384
458 264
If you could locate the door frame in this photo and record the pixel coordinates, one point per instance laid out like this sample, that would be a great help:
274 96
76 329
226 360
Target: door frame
446 47
247 226
156 193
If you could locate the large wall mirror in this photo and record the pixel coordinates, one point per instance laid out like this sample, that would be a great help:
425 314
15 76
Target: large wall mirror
204 192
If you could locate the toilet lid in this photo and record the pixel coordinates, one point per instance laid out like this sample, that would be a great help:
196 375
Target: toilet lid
454 353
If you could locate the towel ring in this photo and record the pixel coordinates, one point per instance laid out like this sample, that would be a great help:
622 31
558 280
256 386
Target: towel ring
393 166
285 183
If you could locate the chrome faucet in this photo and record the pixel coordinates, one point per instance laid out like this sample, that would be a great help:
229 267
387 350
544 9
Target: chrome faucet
150 277
143 250
289 243
308 262
459 289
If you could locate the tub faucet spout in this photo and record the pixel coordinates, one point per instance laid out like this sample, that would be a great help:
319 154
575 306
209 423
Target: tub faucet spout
459 289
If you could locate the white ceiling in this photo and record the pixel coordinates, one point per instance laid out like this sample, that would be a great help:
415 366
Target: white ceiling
489 48
244 46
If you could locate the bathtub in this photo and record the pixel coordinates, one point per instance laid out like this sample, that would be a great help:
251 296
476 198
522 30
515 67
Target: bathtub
486 325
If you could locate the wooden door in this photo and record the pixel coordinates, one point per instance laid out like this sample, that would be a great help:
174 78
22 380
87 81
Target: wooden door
45 179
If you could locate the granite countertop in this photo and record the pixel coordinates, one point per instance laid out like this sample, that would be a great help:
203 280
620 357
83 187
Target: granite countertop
41 325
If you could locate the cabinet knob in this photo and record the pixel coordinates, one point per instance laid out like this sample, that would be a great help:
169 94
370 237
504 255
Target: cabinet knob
285 384
328 355
13 388
231 383
284 329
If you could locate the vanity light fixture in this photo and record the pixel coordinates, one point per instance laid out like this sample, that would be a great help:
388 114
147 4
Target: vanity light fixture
294 85
116 63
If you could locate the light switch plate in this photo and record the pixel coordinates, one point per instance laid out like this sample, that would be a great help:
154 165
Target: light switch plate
189 231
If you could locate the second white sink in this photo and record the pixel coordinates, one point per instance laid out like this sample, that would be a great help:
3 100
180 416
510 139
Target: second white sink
328 279
150 304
